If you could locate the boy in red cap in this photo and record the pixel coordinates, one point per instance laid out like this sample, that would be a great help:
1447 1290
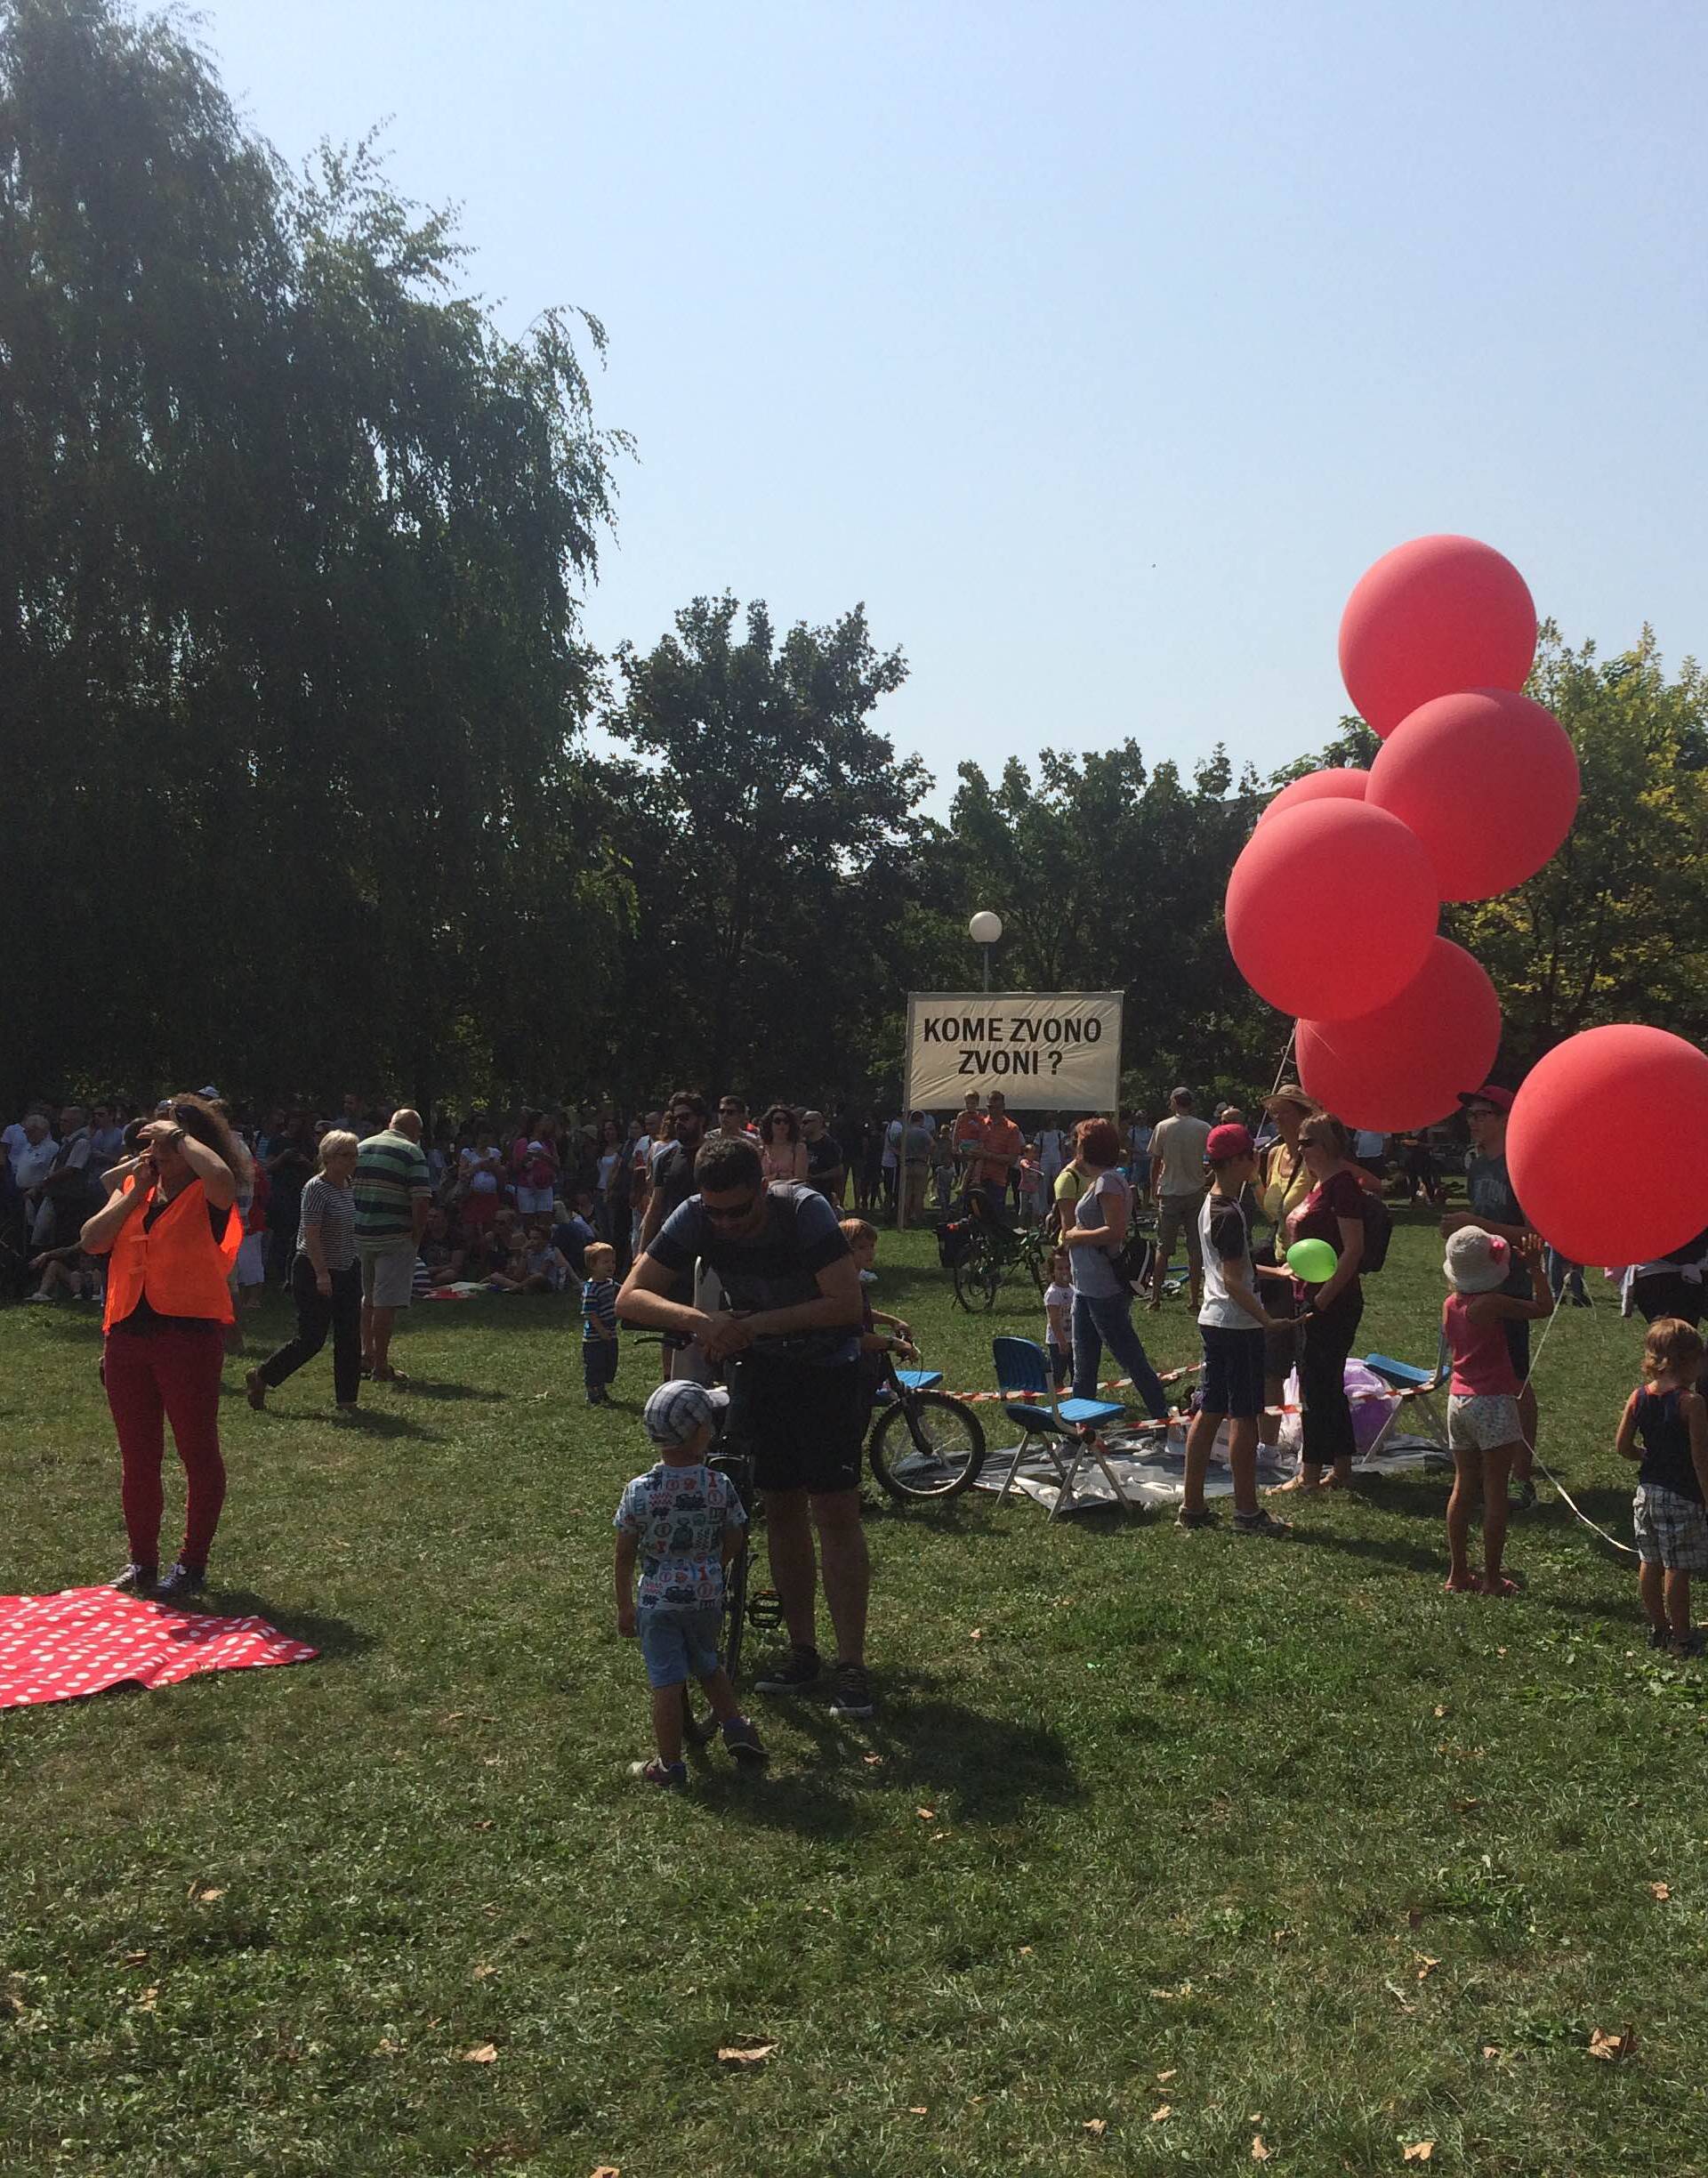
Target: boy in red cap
1232 1322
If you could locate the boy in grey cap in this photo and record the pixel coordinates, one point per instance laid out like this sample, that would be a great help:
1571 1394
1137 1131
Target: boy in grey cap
683 1521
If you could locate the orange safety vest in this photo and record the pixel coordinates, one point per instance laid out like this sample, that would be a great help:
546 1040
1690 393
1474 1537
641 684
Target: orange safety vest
176 1265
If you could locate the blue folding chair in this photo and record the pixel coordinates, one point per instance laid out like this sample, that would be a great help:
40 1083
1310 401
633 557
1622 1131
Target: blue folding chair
1052 1428
1423 1384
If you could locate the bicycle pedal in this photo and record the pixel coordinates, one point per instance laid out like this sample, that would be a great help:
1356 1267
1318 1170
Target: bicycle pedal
765 1610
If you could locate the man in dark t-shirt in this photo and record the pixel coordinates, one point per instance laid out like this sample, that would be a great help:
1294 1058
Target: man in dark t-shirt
826 1166
790 1323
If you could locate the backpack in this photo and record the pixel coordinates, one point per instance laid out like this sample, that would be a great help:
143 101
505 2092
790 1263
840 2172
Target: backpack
954 1242
1378 1230
1134 1259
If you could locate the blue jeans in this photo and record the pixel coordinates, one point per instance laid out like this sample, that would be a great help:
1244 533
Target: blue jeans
1099 1322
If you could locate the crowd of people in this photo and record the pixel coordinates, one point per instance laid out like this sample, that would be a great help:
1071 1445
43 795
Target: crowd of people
725 1235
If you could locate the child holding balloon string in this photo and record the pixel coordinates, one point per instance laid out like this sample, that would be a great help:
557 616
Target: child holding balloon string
1485 1431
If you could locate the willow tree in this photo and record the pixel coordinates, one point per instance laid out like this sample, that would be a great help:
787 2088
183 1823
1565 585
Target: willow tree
290 546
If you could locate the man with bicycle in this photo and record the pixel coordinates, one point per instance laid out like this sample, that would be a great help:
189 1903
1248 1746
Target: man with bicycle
790 1325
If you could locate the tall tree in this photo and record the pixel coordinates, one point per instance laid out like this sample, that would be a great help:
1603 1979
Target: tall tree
288 559
767 828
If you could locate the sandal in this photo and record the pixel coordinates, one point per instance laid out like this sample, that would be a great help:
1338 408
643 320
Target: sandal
1501 1586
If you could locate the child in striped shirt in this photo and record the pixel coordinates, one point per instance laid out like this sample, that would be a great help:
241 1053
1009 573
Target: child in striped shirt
599 1322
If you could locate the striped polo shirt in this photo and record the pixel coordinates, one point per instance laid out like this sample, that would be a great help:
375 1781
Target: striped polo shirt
391 1173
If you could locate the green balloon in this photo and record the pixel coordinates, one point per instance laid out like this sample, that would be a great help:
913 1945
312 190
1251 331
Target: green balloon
1313 1261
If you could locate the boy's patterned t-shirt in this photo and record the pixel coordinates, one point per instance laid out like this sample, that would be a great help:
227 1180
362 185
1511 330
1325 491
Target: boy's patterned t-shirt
677 1516
598 1309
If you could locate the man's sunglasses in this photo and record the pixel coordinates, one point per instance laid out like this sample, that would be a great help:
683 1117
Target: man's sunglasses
728 1217
1479 1111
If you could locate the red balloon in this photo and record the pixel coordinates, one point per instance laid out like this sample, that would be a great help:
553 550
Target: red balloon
1488 782
1607 1144
1331 909
1346 784
1404 1064
1438 613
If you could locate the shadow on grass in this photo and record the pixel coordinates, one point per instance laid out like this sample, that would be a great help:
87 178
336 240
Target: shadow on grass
333 1637
365 1422
926 1746
428 1388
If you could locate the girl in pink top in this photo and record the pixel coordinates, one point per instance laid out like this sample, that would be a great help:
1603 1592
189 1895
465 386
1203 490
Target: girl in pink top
1483 1426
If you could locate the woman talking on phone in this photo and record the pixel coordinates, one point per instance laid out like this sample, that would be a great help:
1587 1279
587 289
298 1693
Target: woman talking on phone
171 1234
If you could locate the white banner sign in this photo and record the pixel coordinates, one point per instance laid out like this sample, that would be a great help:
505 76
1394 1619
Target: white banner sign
1058 1051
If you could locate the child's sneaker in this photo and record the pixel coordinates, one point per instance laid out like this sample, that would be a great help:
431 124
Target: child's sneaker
791 1674
852 1696
182 1583
744 1744
657 1771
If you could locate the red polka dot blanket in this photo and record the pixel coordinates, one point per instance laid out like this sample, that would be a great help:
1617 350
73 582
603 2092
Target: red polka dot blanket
53 1648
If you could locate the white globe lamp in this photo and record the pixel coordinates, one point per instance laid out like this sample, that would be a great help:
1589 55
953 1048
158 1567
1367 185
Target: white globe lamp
984 930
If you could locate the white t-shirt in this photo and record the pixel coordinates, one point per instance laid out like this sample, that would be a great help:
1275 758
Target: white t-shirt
1057 1297
1179 1142
31 1162
1052 1153
1219 1223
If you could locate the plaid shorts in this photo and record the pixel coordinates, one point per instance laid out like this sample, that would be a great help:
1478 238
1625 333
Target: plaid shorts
1670 1530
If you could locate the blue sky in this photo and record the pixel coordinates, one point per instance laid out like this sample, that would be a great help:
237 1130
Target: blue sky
1097 348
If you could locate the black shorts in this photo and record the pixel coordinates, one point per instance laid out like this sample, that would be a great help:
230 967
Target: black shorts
1517 1344
803 1425
1233 1372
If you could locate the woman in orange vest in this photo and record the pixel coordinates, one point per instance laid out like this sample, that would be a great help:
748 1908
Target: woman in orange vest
171 1233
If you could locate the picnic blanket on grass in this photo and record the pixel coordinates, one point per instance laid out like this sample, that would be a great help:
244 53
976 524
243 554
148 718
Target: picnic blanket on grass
84 1640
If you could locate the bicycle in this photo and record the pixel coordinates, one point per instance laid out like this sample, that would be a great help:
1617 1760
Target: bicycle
925 1443
995 1253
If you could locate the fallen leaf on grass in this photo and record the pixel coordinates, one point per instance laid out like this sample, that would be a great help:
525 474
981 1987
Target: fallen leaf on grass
483 2053
1400 1996
485 1823
918 2110
145 2000
1025 1950
978 1633
1612 2048
1440 1710
1491 2055
1426 1965
1165 2109
1173 1996
871 1761
1659 1891
606 2170
1259 2153
1419 2151
926 1814
206 1898
1161 2077
482 1971
135 1958
756 2053
1097 2126
387 2047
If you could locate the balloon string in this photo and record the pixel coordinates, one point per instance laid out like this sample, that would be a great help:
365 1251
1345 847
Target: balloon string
1594 1527
1281 1071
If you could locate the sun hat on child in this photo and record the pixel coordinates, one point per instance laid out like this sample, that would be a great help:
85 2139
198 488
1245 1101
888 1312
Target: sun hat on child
1477 1261
676 1410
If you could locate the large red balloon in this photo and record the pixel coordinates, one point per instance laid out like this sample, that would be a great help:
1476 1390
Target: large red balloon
1331 908
1438 613
1405 1064
1488 782
1607 1145
1346 784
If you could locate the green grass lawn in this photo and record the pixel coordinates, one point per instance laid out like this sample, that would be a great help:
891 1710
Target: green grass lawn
1160 1843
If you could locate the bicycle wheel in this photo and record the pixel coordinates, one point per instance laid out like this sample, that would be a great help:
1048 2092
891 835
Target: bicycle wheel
968 1274
1037 1257
927 1445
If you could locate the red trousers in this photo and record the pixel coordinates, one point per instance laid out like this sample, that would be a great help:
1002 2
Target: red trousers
154 1377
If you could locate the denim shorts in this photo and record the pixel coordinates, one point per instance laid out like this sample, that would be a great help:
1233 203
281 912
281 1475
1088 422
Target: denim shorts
679 1645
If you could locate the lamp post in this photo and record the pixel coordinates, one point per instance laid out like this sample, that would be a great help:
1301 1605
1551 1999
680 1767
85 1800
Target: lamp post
984 930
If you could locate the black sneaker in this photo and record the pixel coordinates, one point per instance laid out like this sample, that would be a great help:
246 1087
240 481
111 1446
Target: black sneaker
137 1580
852 1694
1525 1498
744 1744
1659 1637
791 1674
182 1583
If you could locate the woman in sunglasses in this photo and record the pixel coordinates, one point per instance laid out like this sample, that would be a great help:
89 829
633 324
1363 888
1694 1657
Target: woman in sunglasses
171 1232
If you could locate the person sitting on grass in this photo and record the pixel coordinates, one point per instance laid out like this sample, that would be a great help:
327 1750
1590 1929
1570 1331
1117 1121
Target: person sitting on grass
66 1270
599 1322
1668 1414
1233 1324
683 1521
548 1271
1485 1432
